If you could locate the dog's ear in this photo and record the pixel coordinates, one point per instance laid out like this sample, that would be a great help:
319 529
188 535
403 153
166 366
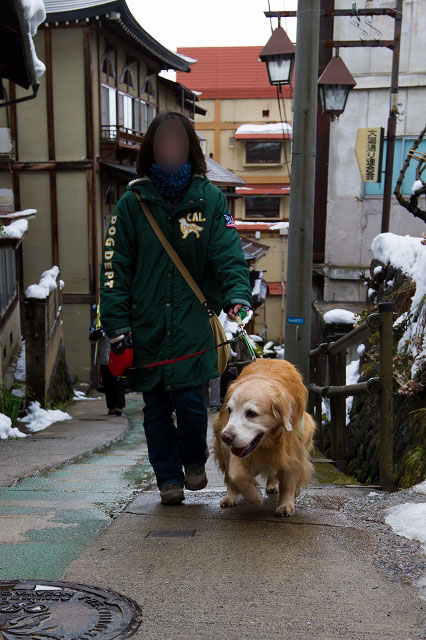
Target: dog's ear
282 410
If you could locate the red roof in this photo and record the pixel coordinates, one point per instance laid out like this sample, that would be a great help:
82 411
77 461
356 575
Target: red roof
228 72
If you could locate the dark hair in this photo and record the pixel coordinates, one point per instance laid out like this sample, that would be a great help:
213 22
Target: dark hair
146 155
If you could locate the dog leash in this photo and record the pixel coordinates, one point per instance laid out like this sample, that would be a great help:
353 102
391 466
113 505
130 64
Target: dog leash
242 334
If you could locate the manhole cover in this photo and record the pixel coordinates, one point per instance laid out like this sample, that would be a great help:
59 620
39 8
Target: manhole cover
40 610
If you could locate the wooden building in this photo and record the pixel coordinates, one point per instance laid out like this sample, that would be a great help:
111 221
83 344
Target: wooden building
72 146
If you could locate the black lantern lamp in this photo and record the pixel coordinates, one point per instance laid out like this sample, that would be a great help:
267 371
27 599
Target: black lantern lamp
279 53
334 84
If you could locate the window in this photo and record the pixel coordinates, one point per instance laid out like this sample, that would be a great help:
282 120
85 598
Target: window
260 207
261 152
110 197
265 113
402 146
7 278
148 87
127 77
109 106
125 109
107 65
137 115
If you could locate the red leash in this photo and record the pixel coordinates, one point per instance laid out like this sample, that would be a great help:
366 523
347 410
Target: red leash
191 355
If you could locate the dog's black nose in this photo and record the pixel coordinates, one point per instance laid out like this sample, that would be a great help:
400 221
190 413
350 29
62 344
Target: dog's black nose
228 437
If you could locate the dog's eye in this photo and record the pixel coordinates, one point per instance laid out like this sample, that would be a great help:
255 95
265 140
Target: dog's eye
229 409
250 413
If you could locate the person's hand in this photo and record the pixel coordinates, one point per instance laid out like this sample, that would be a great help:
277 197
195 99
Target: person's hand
121 355
232 311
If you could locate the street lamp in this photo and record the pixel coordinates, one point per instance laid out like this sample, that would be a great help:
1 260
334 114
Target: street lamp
334 84
279 53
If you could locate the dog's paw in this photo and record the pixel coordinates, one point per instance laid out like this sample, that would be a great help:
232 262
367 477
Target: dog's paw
285 510
271 489
228 501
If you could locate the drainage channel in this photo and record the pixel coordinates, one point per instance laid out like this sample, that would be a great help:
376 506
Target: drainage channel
47 520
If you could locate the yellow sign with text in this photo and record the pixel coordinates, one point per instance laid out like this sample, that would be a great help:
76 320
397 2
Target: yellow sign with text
369 153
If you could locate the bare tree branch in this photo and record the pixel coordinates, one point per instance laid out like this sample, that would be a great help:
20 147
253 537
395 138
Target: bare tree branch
412 204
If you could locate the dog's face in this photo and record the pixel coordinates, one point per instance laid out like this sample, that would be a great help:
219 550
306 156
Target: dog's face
255 408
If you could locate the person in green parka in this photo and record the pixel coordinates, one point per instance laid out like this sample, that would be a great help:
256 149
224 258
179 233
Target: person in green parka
149 312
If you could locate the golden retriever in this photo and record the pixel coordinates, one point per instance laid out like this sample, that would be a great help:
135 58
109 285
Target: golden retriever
263 428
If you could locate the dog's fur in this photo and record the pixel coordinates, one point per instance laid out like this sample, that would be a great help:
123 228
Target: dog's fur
268 398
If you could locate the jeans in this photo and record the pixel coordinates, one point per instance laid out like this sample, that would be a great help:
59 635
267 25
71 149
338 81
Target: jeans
170 446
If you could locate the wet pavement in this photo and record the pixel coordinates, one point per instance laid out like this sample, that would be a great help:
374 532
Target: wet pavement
334 570
46 520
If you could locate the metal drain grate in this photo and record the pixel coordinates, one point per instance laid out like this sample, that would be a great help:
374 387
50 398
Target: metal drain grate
179 533
64 610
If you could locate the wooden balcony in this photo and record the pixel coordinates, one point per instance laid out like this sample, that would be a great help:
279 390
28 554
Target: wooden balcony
119 142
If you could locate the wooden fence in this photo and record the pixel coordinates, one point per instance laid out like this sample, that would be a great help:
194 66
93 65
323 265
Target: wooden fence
43 343
334 355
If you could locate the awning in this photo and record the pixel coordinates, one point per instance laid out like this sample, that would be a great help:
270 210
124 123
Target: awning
264 190
276 288
273 131
253 250
262 136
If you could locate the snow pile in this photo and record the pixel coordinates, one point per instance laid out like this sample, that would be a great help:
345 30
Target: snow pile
405 253
352 375
15 229
38 419
421 488
409 255
45 286
408 520
35 14
279 225
274 128
6 429
20 364
341 316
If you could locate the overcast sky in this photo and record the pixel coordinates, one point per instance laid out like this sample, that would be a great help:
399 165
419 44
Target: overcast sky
215 23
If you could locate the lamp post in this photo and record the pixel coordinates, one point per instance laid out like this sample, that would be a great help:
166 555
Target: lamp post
279 53
334 85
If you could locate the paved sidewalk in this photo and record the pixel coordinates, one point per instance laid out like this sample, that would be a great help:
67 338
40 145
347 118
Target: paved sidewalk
247 574
89 429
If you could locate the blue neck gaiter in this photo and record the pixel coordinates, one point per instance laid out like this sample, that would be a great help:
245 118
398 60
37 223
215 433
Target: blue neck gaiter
171 185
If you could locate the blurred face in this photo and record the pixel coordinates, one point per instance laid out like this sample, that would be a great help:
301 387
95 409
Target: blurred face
171 145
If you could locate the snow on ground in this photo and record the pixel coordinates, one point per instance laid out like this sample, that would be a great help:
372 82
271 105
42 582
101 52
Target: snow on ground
15 230
6 429
339 315
38 419
408 520
45 286
421 488
80 395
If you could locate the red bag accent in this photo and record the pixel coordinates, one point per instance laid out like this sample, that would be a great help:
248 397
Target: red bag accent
118 364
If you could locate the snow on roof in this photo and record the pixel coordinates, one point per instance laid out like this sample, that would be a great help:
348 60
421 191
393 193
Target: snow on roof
275 127
15 230
34 14
13 215
45 286
341 316
406 253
